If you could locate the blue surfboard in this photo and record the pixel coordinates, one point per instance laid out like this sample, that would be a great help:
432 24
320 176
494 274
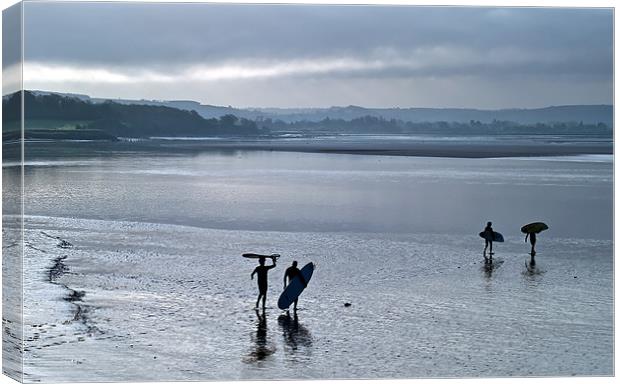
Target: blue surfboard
496 236
295 287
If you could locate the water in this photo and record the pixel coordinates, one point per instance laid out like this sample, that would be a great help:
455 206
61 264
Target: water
152 285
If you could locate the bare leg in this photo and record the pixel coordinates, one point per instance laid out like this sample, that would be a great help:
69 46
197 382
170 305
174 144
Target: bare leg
295 305
258 300
264 299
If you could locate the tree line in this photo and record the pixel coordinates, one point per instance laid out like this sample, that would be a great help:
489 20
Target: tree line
379 125
124 120
136 120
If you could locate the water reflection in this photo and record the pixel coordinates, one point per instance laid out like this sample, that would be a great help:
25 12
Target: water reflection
532 269
296 336
262 347
490 265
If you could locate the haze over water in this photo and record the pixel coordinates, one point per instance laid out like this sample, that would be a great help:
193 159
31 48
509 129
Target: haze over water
156 245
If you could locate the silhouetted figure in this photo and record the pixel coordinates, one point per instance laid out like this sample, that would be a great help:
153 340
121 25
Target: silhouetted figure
290 274
488 240
262 271
533 242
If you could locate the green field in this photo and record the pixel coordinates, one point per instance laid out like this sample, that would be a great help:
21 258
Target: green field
61 125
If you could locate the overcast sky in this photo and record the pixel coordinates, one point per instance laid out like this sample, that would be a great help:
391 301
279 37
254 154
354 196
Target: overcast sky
300 55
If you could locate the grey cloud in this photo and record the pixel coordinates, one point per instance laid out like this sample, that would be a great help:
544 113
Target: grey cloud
520 45
11 32
139 33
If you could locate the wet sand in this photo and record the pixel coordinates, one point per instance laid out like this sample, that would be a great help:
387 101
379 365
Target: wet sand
422 148
169 309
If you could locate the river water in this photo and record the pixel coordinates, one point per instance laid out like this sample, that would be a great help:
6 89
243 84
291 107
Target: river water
132 267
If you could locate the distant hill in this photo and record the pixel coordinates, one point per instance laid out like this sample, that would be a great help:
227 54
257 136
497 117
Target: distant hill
588 114
206 111
46 111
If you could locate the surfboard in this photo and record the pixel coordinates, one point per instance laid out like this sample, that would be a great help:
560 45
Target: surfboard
496 236
534 227
257 256
295 287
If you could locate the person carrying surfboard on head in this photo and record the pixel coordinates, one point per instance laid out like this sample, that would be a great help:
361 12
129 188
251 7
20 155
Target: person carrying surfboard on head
291 273
488 240
262 271
531 230
532 241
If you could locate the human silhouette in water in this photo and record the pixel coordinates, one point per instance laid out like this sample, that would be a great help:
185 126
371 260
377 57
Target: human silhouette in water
488 240
533 242
262 271
291 273
262 347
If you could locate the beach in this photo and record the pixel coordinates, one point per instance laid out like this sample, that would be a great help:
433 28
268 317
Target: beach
133 267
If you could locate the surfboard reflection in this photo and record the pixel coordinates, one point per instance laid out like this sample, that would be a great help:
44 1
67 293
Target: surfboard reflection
297 337
262 347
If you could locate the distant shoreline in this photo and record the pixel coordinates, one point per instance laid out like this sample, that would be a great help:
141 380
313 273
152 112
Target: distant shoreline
428 149
492 149
413 148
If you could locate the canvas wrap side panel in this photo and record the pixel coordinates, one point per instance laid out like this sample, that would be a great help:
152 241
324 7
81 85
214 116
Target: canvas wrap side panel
12 193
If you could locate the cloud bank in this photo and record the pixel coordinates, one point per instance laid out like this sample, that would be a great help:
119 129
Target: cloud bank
276 55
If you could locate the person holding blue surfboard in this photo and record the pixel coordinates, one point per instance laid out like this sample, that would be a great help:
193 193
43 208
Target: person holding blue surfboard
290 274
262 271
488 239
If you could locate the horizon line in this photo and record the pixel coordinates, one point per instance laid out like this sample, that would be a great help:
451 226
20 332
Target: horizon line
67 93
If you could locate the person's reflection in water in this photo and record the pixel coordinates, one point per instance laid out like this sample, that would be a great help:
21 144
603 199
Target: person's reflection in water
262 347
488 268
296 336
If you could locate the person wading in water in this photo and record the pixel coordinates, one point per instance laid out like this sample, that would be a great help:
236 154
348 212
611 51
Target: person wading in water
262 271
291 273
488 240
533 242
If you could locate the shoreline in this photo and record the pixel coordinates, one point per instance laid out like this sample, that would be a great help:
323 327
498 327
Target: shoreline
410 148
431 148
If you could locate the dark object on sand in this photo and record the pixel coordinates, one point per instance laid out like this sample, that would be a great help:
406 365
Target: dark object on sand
257 256
534 227
347 304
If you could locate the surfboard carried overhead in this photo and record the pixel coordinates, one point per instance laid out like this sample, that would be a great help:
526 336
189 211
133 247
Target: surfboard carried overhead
257 256
295 287
534 227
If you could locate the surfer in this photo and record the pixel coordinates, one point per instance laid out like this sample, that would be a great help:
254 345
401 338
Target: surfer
533 242
291 273
488 240
262 271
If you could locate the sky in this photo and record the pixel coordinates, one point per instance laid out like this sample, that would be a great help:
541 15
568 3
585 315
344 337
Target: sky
319 55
